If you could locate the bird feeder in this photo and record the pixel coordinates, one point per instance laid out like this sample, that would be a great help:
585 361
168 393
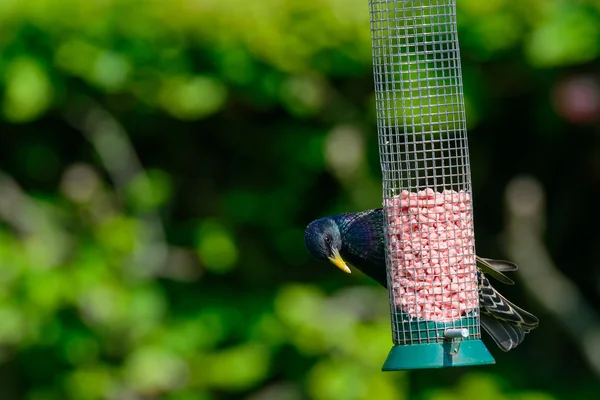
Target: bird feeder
431 267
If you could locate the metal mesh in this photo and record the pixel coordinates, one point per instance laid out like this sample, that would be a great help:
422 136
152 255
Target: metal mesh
426 173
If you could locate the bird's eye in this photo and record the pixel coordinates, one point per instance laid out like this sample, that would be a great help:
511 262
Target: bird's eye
328 240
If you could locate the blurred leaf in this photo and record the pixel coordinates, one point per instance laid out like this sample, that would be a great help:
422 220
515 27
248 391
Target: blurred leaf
110 70
303 95
191 98
480 386
105 69
90 382
81 349
117 234
570 36
28 92
153 370
333 380
216 247
150 190
237 368
12 328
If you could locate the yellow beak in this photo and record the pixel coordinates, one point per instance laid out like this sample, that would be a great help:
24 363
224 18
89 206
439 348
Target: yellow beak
339 262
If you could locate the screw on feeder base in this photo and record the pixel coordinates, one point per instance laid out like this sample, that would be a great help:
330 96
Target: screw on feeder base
456 335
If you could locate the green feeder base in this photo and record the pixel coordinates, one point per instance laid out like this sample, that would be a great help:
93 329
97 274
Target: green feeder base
437 355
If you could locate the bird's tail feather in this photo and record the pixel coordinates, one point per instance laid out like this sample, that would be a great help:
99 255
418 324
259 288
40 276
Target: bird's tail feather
506 336
503 320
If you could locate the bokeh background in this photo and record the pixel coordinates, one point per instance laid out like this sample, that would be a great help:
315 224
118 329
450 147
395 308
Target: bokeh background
159 161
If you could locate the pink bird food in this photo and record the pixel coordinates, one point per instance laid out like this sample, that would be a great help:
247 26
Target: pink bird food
432 253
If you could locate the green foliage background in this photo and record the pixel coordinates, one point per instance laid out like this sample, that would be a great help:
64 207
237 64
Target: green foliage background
159 161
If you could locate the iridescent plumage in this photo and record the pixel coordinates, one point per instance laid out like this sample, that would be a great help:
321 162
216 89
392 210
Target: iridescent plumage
359 240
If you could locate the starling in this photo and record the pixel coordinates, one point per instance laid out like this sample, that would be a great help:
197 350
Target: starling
358 239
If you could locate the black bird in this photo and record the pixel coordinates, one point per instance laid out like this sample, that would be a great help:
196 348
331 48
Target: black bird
358 239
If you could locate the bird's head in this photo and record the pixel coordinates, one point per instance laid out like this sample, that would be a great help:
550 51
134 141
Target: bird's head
324 242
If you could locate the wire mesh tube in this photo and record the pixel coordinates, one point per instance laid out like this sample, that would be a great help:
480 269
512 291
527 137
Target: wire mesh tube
424 157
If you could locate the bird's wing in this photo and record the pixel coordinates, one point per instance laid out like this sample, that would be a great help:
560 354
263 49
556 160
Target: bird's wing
364 243
493 303
495 268
501 265
364 235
